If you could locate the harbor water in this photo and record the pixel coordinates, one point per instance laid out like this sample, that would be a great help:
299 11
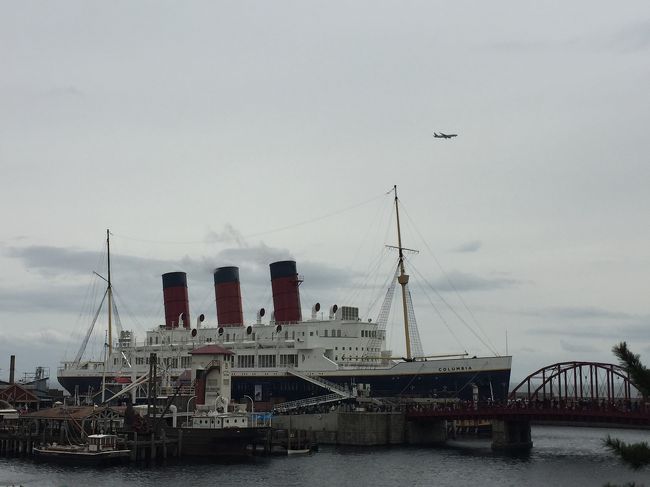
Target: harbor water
560 456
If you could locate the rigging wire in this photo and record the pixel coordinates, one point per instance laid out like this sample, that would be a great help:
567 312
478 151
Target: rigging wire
87 310
257 234
372 266
446 276
471 329
438 312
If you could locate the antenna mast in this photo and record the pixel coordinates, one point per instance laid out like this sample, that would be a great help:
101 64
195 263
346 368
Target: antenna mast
403 279
110 294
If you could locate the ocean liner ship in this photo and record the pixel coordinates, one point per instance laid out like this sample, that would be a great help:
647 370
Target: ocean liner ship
286 358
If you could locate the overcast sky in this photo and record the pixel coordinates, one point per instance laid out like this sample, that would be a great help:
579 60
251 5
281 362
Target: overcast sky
240 133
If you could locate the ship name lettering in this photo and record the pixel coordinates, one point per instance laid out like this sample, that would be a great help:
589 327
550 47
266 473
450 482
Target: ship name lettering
453 369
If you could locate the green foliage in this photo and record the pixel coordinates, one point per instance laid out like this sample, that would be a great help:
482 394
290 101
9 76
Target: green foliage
636 455
639 374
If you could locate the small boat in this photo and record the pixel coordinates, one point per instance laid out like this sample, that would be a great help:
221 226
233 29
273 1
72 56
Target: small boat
303 451
100 449
216 433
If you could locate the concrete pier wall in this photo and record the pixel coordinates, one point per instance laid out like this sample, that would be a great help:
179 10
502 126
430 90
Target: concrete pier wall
426 433
511 435
365 428
348 428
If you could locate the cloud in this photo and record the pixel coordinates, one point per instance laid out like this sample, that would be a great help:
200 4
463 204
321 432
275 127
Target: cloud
634 37
633 332
55 260
67 91
586 312
59 298
229 234
578 347
528 46
137 280
460 281
472 246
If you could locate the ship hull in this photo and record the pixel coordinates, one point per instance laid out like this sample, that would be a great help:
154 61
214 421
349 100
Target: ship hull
491 385
465 379
222 443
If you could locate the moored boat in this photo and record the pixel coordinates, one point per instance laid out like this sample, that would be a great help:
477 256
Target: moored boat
99 450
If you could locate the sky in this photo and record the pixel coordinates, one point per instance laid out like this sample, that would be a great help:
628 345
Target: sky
216 133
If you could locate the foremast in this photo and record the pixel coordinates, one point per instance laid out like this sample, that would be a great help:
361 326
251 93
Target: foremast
109 292
403 279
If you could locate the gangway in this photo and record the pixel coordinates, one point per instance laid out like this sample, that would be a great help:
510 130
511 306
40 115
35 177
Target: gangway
310 401
319 381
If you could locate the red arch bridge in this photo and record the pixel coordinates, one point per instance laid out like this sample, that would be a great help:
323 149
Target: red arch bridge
566 392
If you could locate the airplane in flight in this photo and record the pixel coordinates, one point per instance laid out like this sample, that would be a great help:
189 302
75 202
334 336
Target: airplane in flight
444 136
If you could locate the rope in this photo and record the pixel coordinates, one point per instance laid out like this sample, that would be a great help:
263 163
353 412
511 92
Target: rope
486 339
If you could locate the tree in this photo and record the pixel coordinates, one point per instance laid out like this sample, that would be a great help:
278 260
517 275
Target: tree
636 455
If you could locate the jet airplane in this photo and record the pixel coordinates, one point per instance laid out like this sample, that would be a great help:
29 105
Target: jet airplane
444 136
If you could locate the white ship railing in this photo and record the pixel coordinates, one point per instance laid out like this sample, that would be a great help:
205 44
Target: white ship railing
310 401
319 381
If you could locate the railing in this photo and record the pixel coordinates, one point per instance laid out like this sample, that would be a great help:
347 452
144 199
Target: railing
573 411
342 392
310 401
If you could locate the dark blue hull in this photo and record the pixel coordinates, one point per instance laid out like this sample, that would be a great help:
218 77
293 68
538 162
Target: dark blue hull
85 385
491 385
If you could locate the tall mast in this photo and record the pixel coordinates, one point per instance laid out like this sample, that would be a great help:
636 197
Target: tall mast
403 279
110 294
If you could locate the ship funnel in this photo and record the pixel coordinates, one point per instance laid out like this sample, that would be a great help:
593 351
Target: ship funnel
176 300
286 297
228 296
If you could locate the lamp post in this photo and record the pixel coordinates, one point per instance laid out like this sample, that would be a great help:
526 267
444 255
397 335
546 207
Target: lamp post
252 403
252 406
188 407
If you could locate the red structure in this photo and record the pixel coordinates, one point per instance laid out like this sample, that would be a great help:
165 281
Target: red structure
176 300
228 296
286 296
576 381
571 392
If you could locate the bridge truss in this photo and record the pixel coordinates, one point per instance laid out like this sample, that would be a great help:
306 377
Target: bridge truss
576 381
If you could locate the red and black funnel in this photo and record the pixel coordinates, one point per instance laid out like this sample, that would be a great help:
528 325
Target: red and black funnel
177 307
286 297
228 296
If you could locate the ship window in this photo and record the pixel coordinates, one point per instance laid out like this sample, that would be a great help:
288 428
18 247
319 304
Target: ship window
336 358
253 335
303 357
150 340
325 333
156 340
311 333
338 333
286 335
293 335
227 337
333 333
336 348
